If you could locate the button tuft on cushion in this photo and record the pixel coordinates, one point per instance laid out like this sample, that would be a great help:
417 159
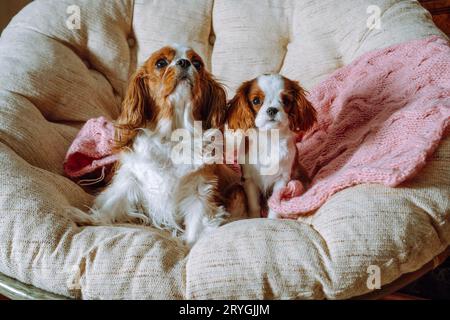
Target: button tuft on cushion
131 42
212 39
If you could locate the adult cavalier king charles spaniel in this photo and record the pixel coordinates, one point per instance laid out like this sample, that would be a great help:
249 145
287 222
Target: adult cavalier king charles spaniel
170 92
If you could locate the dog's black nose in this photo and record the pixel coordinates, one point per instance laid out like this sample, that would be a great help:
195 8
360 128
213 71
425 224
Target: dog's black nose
272 112
184 63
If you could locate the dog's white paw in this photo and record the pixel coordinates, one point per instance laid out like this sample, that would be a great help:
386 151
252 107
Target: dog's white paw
273 215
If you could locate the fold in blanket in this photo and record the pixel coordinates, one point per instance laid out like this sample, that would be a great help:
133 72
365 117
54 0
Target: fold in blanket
379 118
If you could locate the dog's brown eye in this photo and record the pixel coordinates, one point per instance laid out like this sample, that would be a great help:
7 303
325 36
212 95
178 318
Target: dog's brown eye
197 64
256 101
161 63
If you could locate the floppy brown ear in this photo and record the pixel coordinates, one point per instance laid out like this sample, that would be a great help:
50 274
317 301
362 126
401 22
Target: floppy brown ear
240 115
214 104
302 114
137 110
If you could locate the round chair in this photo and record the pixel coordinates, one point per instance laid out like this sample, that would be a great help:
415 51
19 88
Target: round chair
64 62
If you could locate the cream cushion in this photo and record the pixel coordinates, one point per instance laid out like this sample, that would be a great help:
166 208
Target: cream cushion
54 79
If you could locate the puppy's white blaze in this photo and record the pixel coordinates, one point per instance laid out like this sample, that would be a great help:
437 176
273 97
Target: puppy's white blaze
272 85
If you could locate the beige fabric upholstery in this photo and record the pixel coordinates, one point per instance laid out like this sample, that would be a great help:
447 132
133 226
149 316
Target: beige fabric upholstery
53 79
306 40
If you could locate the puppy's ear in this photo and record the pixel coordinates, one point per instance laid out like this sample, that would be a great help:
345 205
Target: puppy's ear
302 115
240 114
138 110
214 103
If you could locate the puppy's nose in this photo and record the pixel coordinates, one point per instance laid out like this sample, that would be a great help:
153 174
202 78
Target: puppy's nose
184 63
272 112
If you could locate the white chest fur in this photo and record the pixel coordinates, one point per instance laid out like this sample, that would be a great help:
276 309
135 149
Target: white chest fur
274 162
265 177
144 185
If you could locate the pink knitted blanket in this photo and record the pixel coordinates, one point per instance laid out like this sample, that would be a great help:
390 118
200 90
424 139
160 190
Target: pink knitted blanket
379 118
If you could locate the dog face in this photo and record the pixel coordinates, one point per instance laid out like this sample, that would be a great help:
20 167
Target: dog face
271 102
170 91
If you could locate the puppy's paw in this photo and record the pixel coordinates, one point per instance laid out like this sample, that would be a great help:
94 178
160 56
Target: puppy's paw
273 215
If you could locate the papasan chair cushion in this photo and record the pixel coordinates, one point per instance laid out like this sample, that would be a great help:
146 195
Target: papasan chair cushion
55 78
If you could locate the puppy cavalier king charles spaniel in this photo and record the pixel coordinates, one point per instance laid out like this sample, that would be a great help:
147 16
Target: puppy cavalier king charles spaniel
266 103
169 92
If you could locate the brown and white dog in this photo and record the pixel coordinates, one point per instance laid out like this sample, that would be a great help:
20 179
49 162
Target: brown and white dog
169 92
267 103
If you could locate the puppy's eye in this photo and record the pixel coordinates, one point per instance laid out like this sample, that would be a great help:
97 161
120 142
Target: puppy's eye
161 63
256 101
197 64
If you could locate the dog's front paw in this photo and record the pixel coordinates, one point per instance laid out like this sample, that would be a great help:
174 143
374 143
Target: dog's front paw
189 239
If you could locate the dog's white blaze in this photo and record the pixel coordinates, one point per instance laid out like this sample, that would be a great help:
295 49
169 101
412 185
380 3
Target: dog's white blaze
272 85
180 53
